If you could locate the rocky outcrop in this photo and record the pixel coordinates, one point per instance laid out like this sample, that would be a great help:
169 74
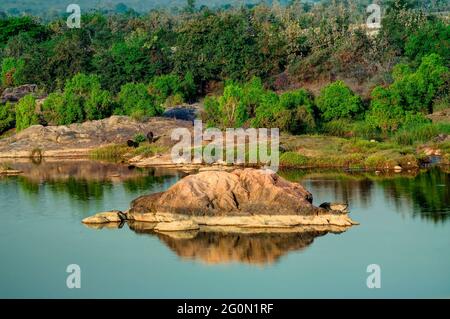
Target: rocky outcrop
16 93
242 198
242 192
79 139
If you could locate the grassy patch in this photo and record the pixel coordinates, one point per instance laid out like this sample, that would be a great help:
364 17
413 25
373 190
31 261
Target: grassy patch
420 133
110 152
292 159
149 150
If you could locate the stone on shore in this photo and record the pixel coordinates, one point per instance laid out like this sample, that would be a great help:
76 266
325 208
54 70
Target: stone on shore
115 216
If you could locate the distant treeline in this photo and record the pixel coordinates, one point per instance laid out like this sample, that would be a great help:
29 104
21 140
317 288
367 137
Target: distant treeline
244 58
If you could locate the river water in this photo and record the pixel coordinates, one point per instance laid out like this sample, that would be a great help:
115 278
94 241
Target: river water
404 228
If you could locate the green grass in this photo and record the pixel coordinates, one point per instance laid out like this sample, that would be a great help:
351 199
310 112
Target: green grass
149 150
110 152
420 133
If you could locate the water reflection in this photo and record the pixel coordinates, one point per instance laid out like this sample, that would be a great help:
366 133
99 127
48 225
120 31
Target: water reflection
214 245
84 180
424 194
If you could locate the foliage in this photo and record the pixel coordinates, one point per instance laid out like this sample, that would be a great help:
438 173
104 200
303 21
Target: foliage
7 117
416 90
337 101
139 138
433 37
134 99
26 113
12 72
112 152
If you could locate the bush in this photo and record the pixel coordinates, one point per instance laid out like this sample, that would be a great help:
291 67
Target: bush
85 99
26 113
211 114
337 101
291 159
53 109
7 117
384 113
164 86
265 113
232 109
134 99
420 133
174 100
12 72
415 91
339 127
149 150
297 121
139 138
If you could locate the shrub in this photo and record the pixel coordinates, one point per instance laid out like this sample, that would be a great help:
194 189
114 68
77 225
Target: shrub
288 159
337 101
415 91
189 89
149 150
139 138
99 105
12 72
174 100
53 109
265 113
26 113
232 109
338 127
384 113
161 87
211 114
134 98
83 99
7 117
297 121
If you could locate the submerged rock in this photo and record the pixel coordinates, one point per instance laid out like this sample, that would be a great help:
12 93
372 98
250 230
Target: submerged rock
245 198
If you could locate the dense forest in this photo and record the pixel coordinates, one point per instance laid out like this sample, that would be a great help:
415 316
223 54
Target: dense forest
304 67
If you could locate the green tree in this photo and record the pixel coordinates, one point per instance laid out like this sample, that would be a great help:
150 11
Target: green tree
337 101
385 113
232 107
134 98
433 37
417 90
26 113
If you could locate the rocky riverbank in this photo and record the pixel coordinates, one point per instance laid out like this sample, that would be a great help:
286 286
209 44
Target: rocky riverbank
78 140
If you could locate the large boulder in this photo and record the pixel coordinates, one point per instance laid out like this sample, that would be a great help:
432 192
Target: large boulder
16 93
245 197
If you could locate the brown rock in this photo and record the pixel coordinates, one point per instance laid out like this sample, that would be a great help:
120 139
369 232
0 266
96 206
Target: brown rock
16 93
105 217
241 192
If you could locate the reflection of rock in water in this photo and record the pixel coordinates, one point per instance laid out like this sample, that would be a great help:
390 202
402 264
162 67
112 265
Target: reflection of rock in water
224 245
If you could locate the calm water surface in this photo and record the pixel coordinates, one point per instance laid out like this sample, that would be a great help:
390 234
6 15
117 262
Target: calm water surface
405 228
